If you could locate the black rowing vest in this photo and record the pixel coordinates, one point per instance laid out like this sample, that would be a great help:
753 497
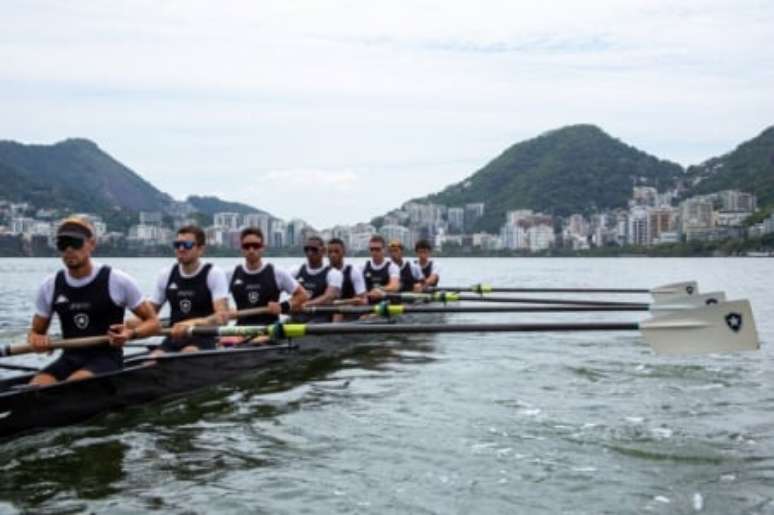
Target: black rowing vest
314 284
189 297
427 270
87 311
407 280
376 278
347 286
254 291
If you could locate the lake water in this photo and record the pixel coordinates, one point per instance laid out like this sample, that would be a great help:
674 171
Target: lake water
499 423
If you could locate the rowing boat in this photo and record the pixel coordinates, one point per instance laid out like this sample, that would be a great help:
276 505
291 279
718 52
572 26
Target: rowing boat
25 409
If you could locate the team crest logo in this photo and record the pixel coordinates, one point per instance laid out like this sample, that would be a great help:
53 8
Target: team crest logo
185 306
81 320
711 301
734 322
253 297
689 290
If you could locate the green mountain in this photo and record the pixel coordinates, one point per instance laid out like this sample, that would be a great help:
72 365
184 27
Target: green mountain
575 169
75 175
749 167
211 205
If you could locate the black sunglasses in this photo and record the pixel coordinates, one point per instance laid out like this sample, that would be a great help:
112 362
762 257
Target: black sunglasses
62 242
313 250
251 246
183 244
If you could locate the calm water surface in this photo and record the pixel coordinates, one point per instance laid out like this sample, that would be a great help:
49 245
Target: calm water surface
543 423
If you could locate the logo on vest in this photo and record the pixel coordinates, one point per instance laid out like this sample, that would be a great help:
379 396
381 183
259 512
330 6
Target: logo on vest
238 281
81 320
185 306
173 286
253 297
61 300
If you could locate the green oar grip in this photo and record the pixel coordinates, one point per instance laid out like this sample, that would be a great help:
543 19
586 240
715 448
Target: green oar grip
386 310
481 288
444 297
279 330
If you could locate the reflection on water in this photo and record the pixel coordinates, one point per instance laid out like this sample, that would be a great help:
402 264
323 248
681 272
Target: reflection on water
577 423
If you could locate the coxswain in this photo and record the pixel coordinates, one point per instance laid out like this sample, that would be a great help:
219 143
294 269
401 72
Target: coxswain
256 283
197 293
411 278
90 300
429 267
321 282
380 274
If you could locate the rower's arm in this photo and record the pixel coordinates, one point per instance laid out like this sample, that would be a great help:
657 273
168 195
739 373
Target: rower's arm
38 337
298 298
331 293
393 285
147 320
432 280
135 322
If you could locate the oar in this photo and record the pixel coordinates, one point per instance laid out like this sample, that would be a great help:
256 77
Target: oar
445 297
684 288
726 327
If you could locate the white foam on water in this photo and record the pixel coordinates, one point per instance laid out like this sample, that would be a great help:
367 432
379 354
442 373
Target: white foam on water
698 502
662 499
727 478
635 420
662 432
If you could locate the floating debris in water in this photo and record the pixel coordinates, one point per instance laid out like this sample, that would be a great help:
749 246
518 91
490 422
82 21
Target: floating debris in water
698 502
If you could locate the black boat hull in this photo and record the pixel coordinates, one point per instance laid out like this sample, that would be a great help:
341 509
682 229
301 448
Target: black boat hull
26 409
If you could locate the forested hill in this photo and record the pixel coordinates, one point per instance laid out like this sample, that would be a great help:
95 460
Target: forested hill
211 205
575 169
749 167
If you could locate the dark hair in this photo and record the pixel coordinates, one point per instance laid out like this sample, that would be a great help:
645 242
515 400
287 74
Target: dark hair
255 231
315 238
337 241
378 238
423 245
201 239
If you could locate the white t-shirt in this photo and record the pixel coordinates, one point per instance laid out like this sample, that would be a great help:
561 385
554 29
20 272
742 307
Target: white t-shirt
394 270
334 277
216 282
285 282
124 290
356 276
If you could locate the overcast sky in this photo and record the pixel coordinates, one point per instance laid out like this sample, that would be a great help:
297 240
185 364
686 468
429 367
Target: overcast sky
338 114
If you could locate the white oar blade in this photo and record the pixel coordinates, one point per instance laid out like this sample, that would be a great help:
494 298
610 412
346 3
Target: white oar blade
679 304
723 327
670 291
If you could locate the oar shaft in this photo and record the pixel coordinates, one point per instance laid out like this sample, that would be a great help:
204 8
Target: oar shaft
70 343
399 309
487 289
298 330
455 297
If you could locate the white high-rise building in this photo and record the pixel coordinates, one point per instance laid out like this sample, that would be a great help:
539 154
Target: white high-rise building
226 220
456 219
261 221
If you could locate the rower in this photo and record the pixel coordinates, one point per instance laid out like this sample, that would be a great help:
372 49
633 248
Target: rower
322 283
411 277
197 293
256 283
90 300
430 269
380 274
353 291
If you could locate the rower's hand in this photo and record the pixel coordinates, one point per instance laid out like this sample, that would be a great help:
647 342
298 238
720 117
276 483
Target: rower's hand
39 342
220 317
180 330
119 334
376 294
274 308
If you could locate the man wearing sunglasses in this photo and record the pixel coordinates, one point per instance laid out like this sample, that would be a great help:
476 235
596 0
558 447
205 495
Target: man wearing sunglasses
322 283
256 283
411 278
380 274
89 299
197 293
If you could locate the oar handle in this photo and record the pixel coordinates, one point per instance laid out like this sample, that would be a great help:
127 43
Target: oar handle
14 349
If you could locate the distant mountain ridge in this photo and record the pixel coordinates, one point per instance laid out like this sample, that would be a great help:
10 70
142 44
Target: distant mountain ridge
76 175
574 169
